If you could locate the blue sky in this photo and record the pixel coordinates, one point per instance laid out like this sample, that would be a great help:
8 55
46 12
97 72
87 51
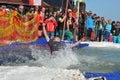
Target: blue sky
110 9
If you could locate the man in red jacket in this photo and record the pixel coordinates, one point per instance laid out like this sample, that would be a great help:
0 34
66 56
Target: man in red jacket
50 26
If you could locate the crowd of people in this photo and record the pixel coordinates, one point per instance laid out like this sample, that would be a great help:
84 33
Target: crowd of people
99 29
91 26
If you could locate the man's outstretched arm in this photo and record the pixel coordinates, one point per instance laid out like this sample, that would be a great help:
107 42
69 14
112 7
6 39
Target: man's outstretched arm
78 42
45 33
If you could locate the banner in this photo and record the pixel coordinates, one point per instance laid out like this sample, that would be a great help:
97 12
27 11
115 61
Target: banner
14 27
35 2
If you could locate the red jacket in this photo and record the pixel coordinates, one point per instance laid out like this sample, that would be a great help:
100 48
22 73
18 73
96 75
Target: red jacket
50 25
40 18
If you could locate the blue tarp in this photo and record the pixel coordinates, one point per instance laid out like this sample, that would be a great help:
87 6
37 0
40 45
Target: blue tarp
109 76
42 41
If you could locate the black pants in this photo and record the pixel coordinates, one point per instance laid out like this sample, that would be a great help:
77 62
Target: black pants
89 31
99 35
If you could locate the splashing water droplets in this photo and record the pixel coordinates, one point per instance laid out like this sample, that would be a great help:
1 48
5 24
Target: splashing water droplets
63 59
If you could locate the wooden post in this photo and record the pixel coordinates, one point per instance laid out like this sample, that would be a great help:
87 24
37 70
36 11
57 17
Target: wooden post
65 19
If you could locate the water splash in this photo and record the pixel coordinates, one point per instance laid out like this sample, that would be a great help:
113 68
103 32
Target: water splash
64 58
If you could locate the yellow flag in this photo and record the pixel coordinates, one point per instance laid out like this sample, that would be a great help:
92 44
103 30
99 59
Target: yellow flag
80 0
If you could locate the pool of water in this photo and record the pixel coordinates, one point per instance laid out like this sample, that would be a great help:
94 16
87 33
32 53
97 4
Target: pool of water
97 57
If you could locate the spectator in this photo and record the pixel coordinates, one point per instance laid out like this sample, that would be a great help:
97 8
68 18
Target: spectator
98 30
50 26
81 25
117 29
89 25
107 31
21 10
113 28
70 23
